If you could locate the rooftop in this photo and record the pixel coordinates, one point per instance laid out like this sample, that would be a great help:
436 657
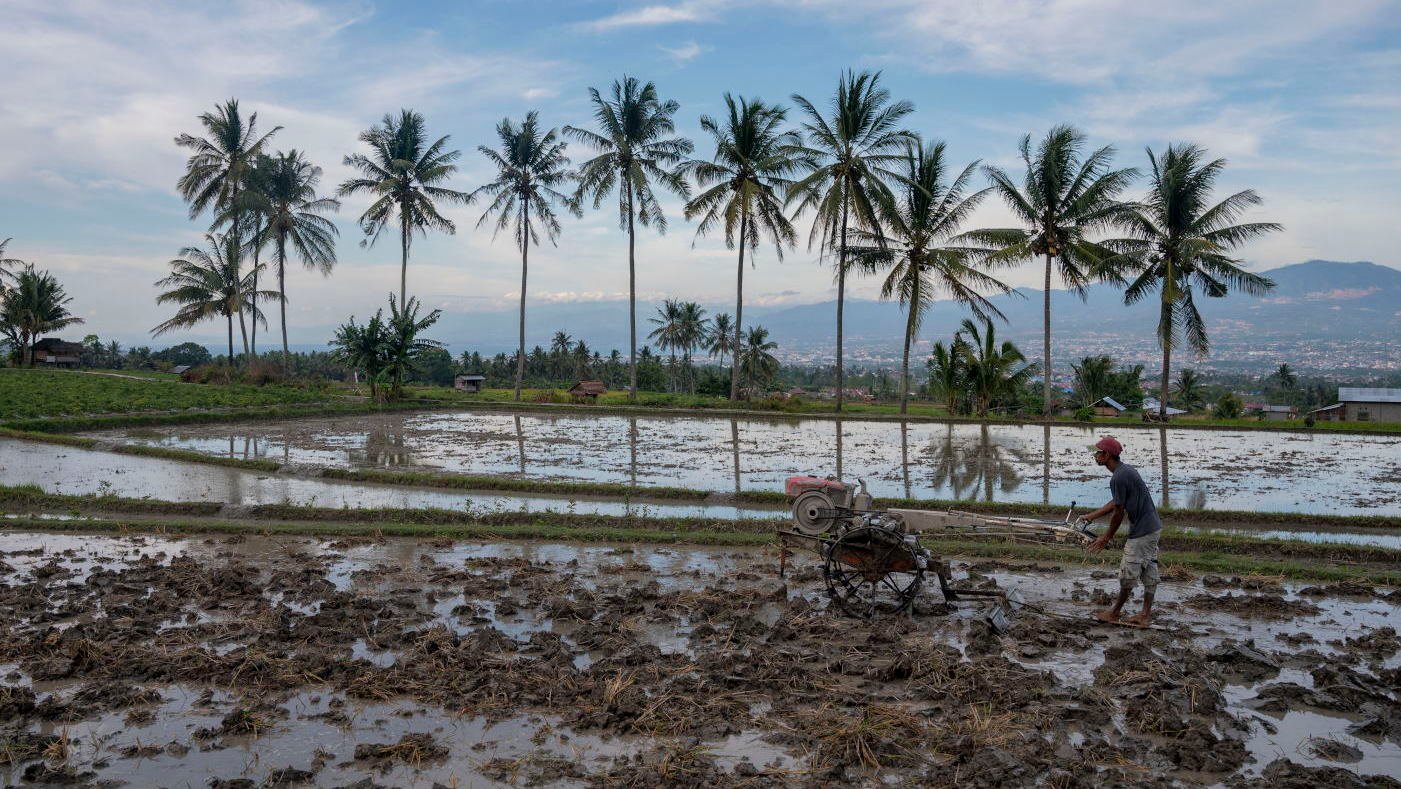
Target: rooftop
1363 394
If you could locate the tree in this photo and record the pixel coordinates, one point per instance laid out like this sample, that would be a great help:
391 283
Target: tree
403 346
754 159
993 371
1228 407
680 327
529 166
8 269
559 353
206 283
947 372
1189 389
916 246
756 358
1285 377
219 168
1091 380
636 148
403 174
721 338
1064 198
1181 242
850 152
36 306
363 348
290 215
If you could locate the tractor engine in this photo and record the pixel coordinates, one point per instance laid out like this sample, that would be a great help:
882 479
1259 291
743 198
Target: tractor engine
819 502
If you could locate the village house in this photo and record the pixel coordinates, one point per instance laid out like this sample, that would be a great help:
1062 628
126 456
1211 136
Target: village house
1362 404
469 383
56 352
1272 413
1150 406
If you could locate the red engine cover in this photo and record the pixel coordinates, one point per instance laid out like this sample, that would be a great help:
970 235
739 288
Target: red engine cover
803 484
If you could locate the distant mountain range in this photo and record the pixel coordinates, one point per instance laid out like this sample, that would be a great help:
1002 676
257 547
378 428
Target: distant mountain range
1314 304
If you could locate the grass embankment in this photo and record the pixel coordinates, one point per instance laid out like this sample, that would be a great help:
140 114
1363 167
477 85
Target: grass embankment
1204 552
617 402
30 394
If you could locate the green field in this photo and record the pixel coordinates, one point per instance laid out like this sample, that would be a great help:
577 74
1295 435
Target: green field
28 394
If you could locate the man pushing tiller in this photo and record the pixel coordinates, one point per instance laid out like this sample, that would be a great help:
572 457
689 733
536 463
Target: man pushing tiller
1130 498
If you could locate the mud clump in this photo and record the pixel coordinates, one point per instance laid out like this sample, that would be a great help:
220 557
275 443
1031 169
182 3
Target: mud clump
413 749
1265 606
1284 774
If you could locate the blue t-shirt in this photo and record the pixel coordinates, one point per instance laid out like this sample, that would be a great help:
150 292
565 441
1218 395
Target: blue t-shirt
1129 492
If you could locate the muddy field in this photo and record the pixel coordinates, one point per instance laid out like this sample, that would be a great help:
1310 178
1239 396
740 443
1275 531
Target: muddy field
1215 469
239 661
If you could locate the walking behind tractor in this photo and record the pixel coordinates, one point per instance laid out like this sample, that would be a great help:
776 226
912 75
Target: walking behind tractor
872 559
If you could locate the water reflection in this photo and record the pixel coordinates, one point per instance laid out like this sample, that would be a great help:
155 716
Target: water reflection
1001 462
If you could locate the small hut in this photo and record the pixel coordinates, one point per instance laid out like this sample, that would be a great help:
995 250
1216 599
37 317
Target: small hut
587 391
469 383
1108 406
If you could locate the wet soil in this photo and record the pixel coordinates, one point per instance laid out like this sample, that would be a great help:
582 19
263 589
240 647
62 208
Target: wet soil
249 661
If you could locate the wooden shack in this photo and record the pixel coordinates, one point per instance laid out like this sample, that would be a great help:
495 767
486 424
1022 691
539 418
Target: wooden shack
587 391
1108 406
469 383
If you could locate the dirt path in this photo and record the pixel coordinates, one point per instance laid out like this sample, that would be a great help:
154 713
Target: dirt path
388 662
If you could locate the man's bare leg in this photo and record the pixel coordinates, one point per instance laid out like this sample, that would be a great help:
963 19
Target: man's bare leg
1146 615
1113 614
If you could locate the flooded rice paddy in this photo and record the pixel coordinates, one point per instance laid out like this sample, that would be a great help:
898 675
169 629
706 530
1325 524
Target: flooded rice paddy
246 661
69 470
1213 469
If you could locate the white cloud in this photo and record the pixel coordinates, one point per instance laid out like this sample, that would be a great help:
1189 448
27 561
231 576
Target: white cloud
684 53
653 15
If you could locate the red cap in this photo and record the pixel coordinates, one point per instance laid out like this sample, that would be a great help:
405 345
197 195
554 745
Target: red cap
1109 444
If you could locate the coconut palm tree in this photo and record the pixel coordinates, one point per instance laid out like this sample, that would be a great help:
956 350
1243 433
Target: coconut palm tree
1285 377
756 359
669 334
403 173
916 246
742 187
721 337
947 373
691 335
529 165
207 283
850 152
403 341
362 348
1092 379
635 149
8 268
36 306
992 370
1189 389
289 215
219 167
1181 241
1065 197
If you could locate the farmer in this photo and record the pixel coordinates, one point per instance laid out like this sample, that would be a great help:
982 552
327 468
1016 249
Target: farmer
1131 499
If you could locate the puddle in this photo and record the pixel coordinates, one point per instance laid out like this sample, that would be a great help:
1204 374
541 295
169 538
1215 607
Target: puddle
1215 469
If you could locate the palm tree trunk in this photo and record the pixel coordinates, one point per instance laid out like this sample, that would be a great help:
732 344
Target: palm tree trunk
525 256
841 303
243 329
404 256
632 304
905 360
282 292
739 302
1046 343
1165 321
231 356
254 300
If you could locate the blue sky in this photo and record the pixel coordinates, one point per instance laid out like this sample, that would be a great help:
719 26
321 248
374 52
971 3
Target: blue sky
1301 97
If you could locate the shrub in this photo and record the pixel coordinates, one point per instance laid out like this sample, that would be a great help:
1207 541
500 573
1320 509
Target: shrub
1228 407
1084 414
1309 421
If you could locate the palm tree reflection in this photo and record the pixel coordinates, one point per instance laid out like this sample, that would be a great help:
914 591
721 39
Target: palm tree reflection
383 449
962 464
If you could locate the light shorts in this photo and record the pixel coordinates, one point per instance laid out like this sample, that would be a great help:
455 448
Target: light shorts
1140 563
